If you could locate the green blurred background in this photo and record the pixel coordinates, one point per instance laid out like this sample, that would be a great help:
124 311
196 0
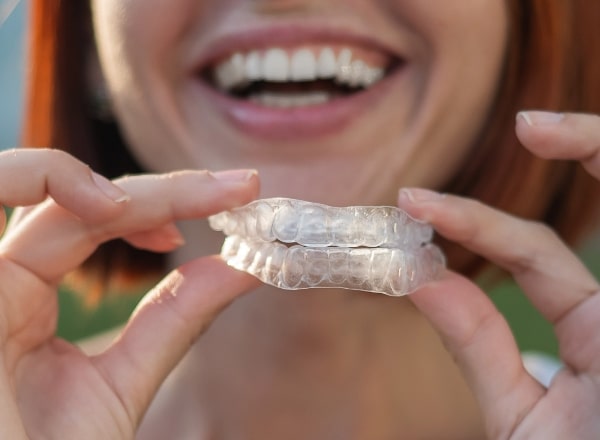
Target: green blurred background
79 321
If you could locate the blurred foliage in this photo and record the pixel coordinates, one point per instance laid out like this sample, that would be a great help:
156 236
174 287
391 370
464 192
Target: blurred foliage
78 320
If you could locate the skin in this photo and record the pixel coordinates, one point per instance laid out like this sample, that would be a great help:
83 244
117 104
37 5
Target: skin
345 367
109 393
426 122
321 365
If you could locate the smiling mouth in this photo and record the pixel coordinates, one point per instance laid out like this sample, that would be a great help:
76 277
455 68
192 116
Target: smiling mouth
302 76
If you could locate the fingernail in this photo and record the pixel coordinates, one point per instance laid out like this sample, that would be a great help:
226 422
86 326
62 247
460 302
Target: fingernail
235 175
532 118
109 189
417 195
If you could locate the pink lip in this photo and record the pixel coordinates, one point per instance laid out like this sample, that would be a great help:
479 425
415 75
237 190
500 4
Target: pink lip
292 124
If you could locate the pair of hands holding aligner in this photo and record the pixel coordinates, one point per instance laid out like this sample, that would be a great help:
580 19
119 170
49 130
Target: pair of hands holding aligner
43 378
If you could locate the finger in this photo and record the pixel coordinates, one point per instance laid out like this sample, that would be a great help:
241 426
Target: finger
11 425
163 239
481 342
28 176
552 276
2 220
17 216
579 338
50 242
163 327
562 136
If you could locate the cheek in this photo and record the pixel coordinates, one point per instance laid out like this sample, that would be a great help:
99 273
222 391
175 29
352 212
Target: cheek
135 35
139 47
463 65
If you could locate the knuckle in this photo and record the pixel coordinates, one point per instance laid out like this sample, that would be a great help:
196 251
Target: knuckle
542 232
466 227
59 161
53 154
541 239
472 334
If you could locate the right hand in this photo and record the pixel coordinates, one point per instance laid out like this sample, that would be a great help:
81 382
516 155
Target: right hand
48 387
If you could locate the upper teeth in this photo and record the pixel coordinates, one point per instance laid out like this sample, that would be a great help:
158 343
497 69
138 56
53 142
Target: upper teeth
278 65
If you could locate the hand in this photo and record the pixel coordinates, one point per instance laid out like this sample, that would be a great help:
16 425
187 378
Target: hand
48 388
516 406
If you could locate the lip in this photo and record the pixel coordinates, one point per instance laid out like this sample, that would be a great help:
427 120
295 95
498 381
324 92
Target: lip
300 123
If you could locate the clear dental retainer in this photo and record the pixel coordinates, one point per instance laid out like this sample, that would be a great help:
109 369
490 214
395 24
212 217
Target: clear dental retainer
294 244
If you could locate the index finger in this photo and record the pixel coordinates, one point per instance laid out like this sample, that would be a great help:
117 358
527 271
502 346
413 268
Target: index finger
51 242
551 275
30 175
567 136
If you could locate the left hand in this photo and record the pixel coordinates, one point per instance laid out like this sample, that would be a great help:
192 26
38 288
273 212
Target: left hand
514 404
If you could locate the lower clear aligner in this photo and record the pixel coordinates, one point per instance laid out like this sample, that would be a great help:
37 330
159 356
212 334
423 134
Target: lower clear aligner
355 265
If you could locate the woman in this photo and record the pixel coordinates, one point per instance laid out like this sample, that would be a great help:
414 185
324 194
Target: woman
429 103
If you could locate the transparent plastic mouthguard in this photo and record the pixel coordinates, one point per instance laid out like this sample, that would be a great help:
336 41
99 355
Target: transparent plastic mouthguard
293 244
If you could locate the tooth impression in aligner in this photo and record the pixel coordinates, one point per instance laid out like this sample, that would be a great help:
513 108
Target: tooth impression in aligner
376 249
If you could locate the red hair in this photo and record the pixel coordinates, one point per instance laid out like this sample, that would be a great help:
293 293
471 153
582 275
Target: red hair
551 63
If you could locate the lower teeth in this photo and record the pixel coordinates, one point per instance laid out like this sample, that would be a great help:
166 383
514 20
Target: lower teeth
289 100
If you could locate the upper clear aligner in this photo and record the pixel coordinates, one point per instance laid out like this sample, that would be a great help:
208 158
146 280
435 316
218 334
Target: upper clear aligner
316 225
411 259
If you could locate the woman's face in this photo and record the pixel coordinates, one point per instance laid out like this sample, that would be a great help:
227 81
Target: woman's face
338 101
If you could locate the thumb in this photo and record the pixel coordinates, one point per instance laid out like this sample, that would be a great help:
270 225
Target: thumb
164 326
479 339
